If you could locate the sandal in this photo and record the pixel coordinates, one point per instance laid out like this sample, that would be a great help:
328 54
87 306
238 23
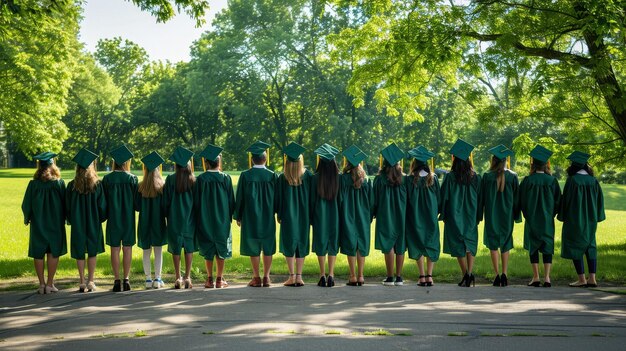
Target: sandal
91 286
421 283
429 283
51 289
266 282
209 283
178 283
221 283
299 282
188 284
81 288
291 281
42 289
360 281
255 282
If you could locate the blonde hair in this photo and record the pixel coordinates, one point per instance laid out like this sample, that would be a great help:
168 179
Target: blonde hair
293 171
497 165
357 173
152 184
86 179
47 172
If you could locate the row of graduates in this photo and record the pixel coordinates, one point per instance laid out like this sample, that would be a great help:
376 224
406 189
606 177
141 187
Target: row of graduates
338 205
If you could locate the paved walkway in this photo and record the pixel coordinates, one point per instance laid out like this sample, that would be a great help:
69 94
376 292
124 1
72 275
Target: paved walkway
312 318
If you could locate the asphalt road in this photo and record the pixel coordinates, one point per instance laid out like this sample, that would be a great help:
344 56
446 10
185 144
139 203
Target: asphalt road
444 317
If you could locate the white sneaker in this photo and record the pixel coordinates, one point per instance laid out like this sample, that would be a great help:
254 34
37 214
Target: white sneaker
51 289
149 283
91 286
157 283
41 290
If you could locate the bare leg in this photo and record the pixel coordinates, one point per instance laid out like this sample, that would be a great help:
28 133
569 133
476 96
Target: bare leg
592 279
389 257
208 265
176 259
399 264
494 261
188 262
361 266
535 267
351 264
290 266
128 256
255 261
547 267
470 262
299 266
505 262
321 261
81 271
462 264
430 266
115 261
420 267
331 265
39 269
267 265
53 263
91 267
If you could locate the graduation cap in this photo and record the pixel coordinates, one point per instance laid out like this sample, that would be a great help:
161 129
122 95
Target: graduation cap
421 154
45 158
211 152
501 152
578 157
293 151
354 155
84 158
181 156
462 149
327 152
258 148
121 154
152 161
540 154
392 154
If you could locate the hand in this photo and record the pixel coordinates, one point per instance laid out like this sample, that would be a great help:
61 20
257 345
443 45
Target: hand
239 223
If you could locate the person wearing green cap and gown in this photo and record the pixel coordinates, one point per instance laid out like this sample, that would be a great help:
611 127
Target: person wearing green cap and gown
459 210
181 221
355 213
214 203
539 197
86 210
292 198
324 212
151 228
254 212
422 225
120 188
581 209
497 198
44 210
390 198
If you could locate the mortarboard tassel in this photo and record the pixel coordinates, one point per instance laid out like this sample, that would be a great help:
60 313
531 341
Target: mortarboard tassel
343 165
249 160
161 169
432 165
267 159
508 162
380 162
317 161
471 158
203 164
531 163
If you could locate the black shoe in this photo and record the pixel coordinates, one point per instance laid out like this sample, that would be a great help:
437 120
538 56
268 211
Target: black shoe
421 283
470 281
504 281
534 284
464 281
126 285
547 284
497 281
322 281
117 285
388 281
330 282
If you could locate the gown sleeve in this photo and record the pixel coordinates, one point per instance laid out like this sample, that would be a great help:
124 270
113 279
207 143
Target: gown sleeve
517 216
239 199
68 202
278 197
102 203
481 201
231 196
563 203
437 189
601 215
375 191
445 189
27 205
556 191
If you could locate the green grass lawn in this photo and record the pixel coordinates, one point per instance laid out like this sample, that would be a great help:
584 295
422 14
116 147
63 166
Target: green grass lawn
17 272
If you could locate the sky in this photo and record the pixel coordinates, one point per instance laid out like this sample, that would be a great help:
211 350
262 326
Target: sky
163 41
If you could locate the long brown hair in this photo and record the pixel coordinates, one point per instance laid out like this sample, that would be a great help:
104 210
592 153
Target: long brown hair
357 173
394 173
416 167
46 172
86 179
463 170
543 167
293 171
152 184
121 167
328 181
497 166
575 167
184 179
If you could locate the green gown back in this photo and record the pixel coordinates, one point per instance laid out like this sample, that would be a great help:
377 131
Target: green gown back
255 208
120 189
459 213
581 208
214 203
325 222
85 214
44 209
538 200
151 227
422 225
498 209
181 220
293 214
355 216
390 211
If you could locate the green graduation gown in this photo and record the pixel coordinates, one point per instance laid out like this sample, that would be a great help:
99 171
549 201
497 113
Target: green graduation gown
85 213
459 213
255 208
422 225
214 203
325 222
390 212
498 209
181 221
538 200
120 189
581 208
44 209
293 214
151 228
355 216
